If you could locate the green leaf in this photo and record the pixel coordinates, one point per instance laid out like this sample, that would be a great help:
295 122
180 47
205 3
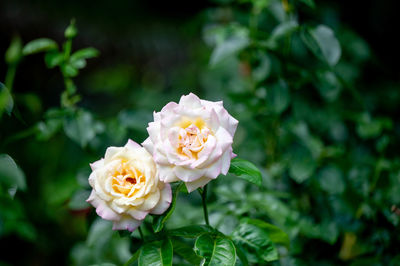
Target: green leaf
71 31
257 239
215 249
10 174
78 200
323 44
69 70
301 165
281 31
53 58
156 253
241 254
277 235
85 53
39 45
236 39
331 180
159 220
185 251
14 52
310 3
278 97
6 100
246 170
191 231
82 128
134 258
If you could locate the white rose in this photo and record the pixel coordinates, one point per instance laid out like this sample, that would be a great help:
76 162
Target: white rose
191 141
126 187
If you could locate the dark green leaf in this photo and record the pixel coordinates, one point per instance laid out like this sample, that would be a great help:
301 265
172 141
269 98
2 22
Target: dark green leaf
6 100
257 239
246 170
53 58
133 259
10 174
216 250
241 254
185 251
322 42
302 165
78 200
39 45
283 30
191 231
156 253
14 51
331 180
310 3
159 220
278 97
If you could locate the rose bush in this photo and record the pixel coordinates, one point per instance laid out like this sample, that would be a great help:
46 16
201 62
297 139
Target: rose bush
191 141
126 187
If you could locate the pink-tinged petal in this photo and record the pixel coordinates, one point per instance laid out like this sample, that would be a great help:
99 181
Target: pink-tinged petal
213 121
205 153
226 161
224 139
168 108
97 164
188 175
214 170
154 130
201 182
102 208
150 201
148 145
191 101
137 214
164 202
132 145
227 121
210 104
126 223
173 136
159 157
166 174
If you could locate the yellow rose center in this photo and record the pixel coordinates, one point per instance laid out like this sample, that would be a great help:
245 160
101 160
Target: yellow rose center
127 180
192 137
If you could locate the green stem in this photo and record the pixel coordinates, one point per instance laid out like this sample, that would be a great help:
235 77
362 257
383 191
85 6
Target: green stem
141 233
10 76
203 194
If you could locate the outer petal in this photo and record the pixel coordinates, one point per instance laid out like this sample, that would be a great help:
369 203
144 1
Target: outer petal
97 164
150 201
126 223
190 186
166 174
188 175
137 214
132 145
102 208
191 101
164 202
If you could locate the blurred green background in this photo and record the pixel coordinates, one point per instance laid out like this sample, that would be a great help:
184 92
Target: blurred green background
315 87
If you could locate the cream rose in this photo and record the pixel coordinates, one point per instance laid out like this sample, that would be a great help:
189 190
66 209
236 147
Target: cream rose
191 141
126 187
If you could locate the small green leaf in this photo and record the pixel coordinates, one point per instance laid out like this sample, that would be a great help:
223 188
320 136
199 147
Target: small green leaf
278 97
53 58
78 200
39 45
331 180
6 100
191 231
14 52
10 174
85 54
159 220
185 251
216 250
69 70
301 165
156 253
277 235
322 42
71 31
246 170
284 29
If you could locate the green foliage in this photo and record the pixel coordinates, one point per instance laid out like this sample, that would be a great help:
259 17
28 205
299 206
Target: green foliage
156 253
39 45
216 250
246 170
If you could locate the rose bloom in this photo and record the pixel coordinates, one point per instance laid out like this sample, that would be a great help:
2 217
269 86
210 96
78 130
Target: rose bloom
191 141
126 187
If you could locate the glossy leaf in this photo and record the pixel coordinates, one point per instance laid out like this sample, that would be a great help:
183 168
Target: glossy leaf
156 253
191 231
246 170
39 45
10 174
85 53
6 100
216 250
185 251
323 44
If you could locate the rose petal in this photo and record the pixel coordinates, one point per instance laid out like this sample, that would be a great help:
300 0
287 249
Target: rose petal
137 214
164 202
166 174
132 145
150 201
102 208
191 101
188 175
97 164
191 186
126 223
